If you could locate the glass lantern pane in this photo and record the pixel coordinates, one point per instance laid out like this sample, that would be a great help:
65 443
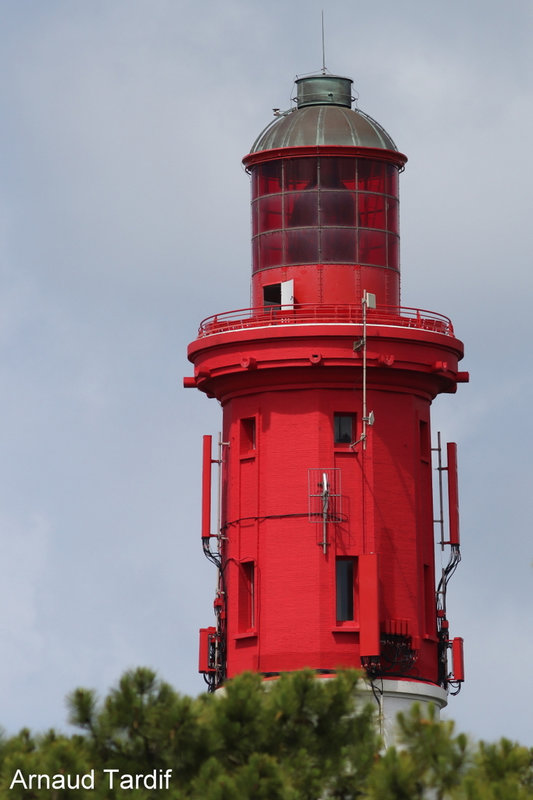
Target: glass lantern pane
268 178
300 173
270 250
337 208
392 215
338 245
371 211
372 248
337 173
301 209
393 254
370 175
255 254
302 246
255 218
255 181
270 213
391 179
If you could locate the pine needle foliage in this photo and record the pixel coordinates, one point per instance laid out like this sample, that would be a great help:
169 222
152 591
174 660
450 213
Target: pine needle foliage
300 737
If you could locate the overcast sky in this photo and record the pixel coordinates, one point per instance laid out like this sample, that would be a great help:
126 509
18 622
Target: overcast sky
124 220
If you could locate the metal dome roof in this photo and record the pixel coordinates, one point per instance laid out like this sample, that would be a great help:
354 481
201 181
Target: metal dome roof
323 117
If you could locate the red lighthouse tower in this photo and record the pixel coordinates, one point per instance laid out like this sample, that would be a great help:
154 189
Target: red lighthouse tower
325 540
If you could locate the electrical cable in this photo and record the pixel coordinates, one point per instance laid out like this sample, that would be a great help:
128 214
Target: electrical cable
306 514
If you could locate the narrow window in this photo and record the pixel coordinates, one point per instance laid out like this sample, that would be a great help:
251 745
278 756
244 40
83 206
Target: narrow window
247 596
345 574
424 440
343 428
247 435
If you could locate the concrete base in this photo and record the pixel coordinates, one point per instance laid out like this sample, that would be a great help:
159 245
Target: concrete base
394 696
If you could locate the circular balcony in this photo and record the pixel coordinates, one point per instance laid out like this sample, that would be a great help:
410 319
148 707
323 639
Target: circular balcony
309 314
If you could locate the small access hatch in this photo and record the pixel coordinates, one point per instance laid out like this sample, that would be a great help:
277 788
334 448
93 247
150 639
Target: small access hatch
279 294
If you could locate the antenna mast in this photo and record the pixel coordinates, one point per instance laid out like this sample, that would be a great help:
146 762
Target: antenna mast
323 48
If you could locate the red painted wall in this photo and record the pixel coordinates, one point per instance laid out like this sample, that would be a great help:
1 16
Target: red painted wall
266 521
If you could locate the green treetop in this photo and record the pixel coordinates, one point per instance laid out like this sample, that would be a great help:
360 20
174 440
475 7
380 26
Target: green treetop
296 738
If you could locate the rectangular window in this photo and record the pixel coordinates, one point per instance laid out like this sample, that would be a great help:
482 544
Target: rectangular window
246 596
247 435
343 428
345 588
425 450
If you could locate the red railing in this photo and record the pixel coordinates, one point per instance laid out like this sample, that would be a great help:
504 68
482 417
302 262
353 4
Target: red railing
309 314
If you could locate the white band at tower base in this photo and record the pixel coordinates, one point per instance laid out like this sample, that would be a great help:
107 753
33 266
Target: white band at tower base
395 696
